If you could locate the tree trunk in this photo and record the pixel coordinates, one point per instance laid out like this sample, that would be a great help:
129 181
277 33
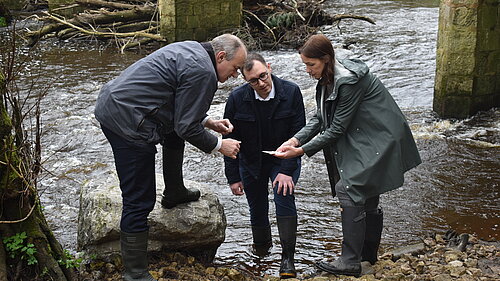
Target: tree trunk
20 209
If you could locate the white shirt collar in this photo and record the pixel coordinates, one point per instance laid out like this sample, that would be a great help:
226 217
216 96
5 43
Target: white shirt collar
270 96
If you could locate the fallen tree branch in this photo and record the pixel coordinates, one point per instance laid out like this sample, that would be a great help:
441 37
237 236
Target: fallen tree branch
129 27
295 6
285 23
130 45
138 13
263 23
101 3
143 33
65 7
349 16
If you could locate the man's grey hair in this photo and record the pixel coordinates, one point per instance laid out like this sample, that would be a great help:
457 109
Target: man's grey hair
227 43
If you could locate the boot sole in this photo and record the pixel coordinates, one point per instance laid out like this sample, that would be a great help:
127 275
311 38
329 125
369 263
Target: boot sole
172 205
325 267
169 204
286 275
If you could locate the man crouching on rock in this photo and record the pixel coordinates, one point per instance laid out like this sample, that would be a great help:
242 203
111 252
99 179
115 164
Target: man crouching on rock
163 98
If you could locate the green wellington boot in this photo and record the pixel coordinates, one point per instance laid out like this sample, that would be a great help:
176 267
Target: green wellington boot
262 242
134 249
175 192
287 227
373 233
353 231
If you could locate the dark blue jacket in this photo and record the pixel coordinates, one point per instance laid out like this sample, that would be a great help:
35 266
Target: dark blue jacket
286 119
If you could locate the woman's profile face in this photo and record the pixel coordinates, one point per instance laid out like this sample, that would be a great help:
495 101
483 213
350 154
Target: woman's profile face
314 66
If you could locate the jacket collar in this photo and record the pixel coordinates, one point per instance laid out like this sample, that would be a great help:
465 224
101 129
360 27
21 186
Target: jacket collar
347 71
210 50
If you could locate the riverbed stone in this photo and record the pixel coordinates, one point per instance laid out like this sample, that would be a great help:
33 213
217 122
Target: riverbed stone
413 249
197 228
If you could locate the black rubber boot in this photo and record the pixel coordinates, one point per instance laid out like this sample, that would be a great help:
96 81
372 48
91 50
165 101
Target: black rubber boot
262 242
353 231
373 233
134 248
175 192
287 227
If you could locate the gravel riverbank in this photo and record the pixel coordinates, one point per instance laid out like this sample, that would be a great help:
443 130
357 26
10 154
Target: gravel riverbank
437 258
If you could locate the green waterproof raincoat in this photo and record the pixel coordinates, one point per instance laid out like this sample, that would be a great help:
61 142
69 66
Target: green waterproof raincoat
365 137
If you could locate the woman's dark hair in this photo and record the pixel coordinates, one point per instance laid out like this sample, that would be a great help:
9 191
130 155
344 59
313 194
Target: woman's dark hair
318 46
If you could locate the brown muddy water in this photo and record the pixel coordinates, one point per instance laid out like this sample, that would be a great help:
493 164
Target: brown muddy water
456 187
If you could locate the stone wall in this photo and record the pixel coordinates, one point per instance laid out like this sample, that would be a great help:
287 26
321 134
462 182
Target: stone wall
467 58
198 19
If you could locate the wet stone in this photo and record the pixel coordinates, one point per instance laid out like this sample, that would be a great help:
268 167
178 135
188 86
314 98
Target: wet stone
408 250
452 256
457 271
443 277
456 263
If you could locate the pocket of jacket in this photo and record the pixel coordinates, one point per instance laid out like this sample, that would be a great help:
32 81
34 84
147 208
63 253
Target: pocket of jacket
244 117
284 114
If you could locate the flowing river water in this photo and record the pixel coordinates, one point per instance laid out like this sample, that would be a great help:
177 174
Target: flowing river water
456 186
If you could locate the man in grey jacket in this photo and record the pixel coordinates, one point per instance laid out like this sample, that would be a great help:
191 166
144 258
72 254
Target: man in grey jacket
163 98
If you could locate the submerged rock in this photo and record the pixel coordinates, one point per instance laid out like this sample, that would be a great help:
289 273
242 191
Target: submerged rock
197 228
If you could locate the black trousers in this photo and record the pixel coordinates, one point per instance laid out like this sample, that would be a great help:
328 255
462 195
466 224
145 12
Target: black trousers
135 165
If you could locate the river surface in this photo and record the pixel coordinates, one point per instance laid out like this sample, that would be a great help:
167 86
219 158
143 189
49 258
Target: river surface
456 186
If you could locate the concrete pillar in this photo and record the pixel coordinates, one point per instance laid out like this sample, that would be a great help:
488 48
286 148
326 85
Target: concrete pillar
467 58
197 19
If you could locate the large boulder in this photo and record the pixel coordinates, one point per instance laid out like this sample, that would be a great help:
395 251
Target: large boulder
197 228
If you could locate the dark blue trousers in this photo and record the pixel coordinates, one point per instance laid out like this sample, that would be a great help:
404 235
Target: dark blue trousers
257 192
135 166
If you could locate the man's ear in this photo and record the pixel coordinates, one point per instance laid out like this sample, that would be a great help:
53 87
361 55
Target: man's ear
220 56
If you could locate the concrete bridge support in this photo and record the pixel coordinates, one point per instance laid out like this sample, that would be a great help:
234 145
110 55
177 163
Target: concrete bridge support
468 58
197 19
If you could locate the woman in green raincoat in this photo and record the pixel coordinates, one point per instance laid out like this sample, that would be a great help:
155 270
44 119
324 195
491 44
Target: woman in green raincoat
367 143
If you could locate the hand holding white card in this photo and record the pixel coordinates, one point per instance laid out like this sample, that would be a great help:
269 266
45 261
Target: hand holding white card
272 152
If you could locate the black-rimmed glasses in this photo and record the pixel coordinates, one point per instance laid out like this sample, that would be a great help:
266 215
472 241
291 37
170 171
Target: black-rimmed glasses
262 77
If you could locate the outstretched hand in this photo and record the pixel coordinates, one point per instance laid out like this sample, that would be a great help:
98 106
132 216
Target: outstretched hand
289 149
286 152
291 142
222 126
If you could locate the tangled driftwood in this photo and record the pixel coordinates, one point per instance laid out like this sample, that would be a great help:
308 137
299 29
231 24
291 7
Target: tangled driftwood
272 24
267 24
